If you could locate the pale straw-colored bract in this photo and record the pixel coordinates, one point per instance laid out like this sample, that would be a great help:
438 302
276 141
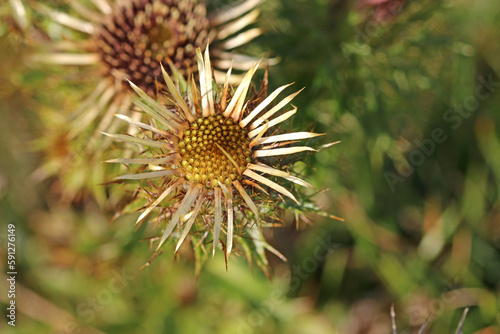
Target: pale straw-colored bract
209 147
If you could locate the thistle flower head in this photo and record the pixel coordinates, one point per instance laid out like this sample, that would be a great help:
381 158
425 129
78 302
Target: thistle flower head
129 39
211 146
136 36
116 41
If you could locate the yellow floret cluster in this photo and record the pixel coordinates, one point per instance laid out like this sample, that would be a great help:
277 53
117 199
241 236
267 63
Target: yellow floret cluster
215 150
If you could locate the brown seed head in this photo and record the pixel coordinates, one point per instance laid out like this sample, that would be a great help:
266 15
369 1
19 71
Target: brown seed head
139 35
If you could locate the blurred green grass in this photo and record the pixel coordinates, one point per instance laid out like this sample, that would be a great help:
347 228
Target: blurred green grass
429 245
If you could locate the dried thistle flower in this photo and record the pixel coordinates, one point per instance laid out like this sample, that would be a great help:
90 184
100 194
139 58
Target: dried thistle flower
128 39
201 153
125 40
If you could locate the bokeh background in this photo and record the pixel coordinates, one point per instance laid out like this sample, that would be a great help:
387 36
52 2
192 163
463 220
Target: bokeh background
414 96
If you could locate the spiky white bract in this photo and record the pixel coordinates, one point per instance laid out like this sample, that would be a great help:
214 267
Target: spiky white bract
205 154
